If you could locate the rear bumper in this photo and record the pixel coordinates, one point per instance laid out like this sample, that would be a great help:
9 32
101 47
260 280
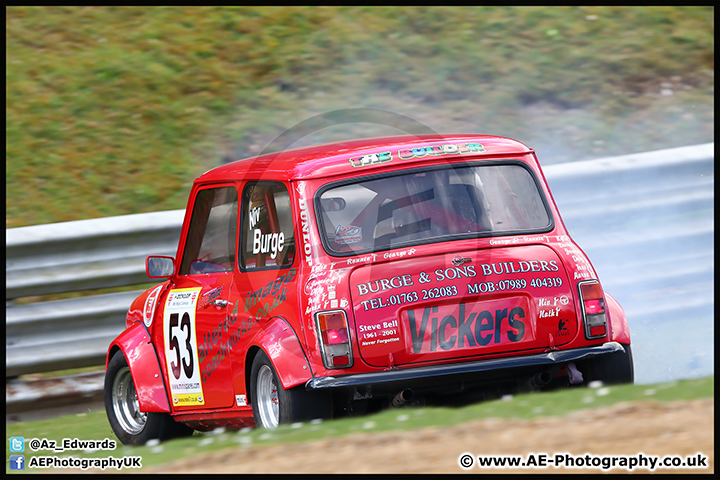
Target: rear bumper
452 373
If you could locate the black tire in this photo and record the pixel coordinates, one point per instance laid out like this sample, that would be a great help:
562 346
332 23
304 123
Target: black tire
132 426
272 405
615 368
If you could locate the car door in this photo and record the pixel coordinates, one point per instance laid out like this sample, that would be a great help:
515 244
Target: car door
266 263
197 327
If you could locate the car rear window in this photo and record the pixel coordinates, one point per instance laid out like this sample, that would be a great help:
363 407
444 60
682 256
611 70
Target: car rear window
428 206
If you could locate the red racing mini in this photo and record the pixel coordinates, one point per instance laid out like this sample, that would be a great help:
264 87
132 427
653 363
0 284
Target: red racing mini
341 278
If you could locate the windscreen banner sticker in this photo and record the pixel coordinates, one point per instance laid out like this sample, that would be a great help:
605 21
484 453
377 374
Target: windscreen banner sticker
449 149
181 347
420 152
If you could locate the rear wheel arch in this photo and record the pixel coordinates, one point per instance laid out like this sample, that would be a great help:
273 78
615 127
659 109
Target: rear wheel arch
276 357
272 404
289 360
619 329
610 369
249 358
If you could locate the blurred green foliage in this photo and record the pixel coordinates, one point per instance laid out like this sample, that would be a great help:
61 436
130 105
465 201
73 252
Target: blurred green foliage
115 110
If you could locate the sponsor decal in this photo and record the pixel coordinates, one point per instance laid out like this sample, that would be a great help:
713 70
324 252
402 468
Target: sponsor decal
391 300
500 286
241 400
180 344
562 330
431 330
182 298
150 304
348 235
385 284
521 266
372 159
221 340
400 288
300 187
305 229
275 290
459 273
209 297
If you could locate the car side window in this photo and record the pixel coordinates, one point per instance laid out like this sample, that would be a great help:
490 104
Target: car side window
268 239
212 235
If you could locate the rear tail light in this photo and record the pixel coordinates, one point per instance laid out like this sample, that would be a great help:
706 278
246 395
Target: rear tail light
334 339
593 309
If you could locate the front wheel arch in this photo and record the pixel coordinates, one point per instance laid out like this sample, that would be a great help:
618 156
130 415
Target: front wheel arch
135 343
131 425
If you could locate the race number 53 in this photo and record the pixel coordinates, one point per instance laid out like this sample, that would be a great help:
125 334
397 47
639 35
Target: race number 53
181 347
187 354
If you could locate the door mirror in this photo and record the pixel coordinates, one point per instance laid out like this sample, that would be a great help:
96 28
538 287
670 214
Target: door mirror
160 267
335 204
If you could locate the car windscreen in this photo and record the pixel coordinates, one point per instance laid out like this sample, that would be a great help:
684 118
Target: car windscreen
426 206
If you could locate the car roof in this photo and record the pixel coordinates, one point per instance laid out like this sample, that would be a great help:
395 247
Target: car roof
333 159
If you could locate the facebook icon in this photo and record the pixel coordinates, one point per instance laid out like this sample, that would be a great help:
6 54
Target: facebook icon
17 462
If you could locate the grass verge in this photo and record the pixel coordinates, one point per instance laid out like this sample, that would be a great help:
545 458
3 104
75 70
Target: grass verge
115 110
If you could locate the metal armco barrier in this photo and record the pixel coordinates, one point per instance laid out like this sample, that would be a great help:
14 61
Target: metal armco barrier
71 257
87 254
634 204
